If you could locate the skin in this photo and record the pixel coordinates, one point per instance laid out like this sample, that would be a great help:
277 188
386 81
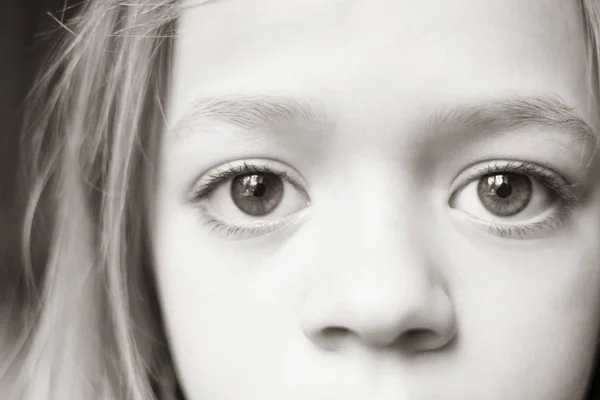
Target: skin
381 288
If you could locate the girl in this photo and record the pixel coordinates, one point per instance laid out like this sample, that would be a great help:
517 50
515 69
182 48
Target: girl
320 199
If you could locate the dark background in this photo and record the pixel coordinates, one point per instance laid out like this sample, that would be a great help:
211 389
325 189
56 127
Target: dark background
26 32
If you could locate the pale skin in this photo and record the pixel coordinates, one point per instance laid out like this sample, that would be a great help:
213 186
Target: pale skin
380 276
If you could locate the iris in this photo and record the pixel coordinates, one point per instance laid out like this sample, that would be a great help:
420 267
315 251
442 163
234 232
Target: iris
257 194
506 194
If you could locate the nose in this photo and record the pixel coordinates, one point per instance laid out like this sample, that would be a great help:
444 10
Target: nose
378 296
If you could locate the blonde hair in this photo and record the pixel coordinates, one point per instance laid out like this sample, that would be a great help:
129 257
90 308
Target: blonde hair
94 328
97 333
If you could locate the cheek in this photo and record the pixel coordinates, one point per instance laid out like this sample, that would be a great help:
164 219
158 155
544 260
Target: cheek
224 304
531 315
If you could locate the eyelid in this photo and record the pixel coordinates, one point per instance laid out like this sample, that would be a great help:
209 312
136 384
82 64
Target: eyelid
260 229
553 180
532 230
216 176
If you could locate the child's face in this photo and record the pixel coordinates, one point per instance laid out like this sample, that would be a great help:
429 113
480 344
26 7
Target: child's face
380 200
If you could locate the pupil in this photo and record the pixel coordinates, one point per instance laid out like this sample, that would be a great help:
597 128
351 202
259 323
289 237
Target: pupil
259 189
504 190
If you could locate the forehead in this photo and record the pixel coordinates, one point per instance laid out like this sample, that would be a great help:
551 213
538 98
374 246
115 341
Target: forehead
412 48
435 14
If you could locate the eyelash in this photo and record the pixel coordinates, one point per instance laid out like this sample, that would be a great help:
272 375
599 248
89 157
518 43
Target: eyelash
228 171
566 195
233 231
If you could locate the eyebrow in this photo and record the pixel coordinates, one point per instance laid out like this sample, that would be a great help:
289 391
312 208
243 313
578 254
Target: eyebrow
247 112
489 115
516 112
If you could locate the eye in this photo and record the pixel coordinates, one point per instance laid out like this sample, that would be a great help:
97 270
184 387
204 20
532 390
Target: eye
250 197
504 196
513 198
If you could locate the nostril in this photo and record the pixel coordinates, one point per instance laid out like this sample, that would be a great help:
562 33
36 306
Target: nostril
416 333
420 339
334 337
334 332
